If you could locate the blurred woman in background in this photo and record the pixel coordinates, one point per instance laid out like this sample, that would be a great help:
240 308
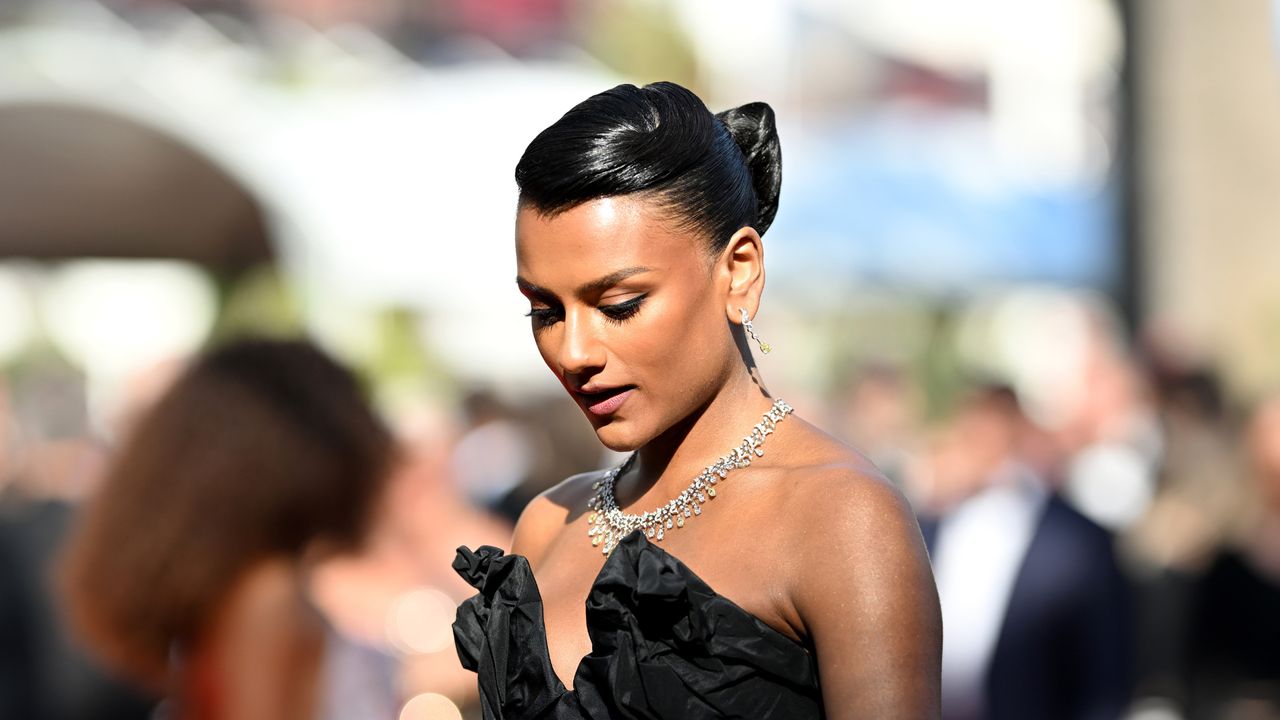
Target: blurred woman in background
189 569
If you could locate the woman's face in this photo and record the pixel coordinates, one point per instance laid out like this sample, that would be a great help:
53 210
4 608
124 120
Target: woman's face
629 313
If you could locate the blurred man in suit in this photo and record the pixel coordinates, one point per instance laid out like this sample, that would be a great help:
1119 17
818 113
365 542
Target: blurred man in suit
1035 610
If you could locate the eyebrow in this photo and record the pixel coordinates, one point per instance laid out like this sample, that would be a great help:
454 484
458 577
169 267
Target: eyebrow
597 285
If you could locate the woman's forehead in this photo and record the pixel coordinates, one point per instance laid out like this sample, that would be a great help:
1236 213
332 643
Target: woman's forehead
598 237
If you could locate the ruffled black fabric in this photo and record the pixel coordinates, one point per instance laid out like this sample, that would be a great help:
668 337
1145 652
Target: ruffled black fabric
664 645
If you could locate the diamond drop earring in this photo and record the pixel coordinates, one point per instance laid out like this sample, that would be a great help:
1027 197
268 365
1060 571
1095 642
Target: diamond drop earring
746 325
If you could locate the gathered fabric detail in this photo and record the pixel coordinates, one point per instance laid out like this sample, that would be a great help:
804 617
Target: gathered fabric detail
664 645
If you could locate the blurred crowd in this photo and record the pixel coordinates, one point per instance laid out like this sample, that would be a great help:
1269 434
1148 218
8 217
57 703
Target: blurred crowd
1106 546
245 504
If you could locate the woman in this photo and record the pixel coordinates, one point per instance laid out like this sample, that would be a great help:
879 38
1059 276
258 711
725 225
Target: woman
189 568
786 579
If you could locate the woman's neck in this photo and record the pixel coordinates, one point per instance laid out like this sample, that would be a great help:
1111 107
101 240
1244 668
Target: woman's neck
667 464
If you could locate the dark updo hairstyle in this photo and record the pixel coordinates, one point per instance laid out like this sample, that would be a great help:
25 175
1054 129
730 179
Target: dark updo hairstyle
713 173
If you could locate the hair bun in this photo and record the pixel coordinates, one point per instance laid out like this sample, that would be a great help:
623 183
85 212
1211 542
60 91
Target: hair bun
752 128
714 173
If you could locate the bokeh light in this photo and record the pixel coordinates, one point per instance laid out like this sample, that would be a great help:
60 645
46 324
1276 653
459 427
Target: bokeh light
430 706
420 621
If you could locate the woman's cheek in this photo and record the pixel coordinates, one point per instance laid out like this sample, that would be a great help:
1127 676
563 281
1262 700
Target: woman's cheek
657 340
546 348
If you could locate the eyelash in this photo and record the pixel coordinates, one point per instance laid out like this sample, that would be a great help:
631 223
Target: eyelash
617 313
542 317
623 311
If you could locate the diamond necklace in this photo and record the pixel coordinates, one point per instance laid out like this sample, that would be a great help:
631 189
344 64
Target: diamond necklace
608 524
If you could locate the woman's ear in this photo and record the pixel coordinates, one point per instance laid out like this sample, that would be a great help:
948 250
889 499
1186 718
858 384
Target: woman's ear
743 265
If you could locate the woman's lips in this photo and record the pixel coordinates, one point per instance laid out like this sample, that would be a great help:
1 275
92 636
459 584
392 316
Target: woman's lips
606 402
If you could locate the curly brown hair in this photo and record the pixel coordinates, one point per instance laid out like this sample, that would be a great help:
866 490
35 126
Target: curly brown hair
260 449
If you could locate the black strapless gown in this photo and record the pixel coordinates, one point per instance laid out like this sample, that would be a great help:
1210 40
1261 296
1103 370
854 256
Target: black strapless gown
664 646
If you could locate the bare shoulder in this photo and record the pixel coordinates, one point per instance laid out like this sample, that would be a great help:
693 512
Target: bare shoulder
848 499
267 604
831 486
846 522
268 646
548 513
860 584
268 590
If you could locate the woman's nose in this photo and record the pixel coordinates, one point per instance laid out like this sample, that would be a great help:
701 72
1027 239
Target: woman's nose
580 349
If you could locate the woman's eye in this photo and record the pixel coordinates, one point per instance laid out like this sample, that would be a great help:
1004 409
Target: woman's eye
543 317
619 312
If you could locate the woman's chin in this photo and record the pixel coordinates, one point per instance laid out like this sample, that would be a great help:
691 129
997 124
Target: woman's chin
618 437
